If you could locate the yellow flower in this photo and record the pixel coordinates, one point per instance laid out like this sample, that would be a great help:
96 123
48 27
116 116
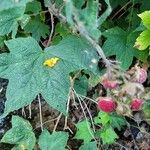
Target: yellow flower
22 147
51 62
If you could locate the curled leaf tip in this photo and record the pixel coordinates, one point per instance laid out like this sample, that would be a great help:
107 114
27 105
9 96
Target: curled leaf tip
51 62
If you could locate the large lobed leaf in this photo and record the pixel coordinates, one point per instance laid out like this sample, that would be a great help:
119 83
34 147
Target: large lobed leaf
120 43
20 134
28 76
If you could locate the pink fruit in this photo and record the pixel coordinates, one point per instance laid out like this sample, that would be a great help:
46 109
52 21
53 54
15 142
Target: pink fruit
106 104
141 75
109 84
136 104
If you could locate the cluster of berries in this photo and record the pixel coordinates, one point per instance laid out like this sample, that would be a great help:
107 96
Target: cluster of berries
108 104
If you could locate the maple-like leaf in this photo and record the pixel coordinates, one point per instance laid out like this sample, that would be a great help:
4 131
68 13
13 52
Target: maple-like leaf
84 132
120 43
20 134
29 75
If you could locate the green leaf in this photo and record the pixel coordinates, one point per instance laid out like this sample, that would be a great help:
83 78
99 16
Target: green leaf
145 19
56 140
84 132
24 20
117 121
34 7
89 146
8 19
81 85
120 43
102 118
6 4
143 41
2 39
37 28
20 134
108 136
25 69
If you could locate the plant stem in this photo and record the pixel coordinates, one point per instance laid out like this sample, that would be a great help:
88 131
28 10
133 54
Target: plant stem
40 109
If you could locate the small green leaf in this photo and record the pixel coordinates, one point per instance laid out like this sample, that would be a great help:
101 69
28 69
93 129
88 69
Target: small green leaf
37 28
89 146
103 118
34 7
9 19
20 134
81 85
143 41
117 121
108 136
56 140
120 43
84 132
145 19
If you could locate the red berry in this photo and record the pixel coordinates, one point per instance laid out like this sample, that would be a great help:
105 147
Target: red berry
136 104
106 104
141 75
109 84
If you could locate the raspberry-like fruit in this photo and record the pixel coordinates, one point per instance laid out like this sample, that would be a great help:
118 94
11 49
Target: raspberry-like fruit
109 84
141 75
136 104
106 104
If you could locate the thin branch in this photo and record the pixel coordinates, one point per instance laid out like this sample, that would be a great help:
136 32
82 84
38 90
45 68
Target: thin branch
52 29
45 123
80 27
58 119
85 116
30 111
40 109
67 110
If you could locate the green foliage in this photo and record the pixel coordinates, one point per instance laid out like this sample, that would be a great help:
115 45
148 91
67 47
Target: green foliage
56 140
20 134
143 41
108 122
120 43
108 136
34 70
117 121
84 131
9 20
34 7
2 39
24 68
37 28
89 146
81 85
6 4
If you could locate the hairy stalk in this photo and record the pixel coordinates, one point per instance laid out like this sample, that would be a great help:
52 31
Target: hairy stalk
81 29
52 30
